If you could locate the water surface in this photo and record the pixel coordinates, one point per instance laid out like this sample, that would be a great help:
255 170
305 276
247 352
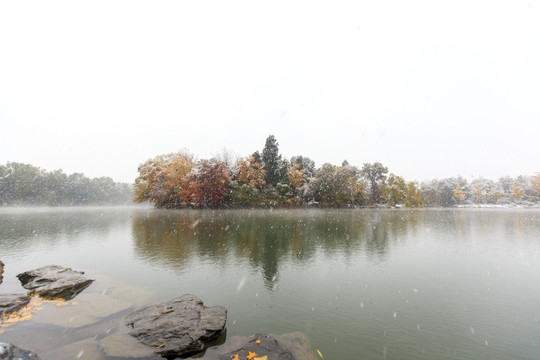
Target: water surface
362 284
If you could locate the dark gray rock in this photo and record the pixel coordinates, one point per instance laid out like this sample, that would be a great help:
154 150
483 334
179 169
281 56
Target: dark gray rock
54 281
261 345
179 326
12 302
270 347
11 352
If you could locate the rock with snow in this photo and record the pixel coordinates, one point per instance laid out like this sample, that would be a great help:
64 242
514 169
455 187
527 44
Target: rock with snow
12 302
262 346
11 352
179 326
54 281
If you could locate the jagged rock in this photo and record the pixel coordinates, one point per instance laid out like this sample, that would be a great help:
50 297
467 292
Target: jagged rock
178 326
12 302
54 281
11 352
275 347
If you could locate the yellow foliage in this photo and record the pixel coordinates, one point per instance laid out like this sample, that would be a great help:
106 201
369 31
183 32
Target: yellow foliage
535 185
251 173
28 311
296 176
459 194
160 179
517 191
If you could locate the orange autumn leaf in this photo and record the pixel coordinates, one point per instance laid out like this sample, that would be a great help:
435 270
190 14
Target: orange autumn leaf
251 355
235 357
265 357
257 341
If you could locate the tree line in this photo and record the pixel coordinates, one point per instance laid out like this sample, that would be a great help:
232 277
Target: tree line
455 191
262 179
24 184
266 179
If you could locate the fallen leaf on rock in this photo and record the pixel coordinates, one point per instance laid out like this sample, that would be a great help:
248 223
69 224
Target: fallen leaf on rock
318 352
261 358
251 355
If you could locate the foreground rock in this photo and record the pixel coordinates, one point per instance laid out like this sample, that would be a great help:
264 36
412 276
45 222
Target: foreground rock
268 347
179 326
54 281
12 302
11 352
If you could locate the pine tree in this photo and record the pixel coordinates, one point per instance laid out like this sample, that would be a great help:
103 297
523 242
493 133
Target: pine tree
271 161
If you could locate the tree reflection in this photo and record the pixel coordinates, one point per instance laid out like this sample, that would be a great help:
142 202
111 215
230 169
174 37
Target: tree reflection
266 239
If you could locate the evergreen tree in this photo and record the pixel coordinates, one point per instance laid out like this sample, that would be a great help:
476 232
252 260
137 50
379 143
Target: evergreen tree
271 160
257 157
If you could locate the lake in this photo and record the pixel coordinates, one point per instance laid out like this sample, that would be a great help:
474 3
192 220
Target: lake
361 284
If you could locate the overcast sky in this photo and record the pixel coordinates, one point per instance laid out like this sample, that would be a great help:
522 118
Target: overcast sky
431 89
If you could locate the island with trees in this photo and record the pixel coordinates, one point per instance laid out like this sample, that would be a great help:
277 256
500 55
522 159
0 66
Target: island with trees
266 179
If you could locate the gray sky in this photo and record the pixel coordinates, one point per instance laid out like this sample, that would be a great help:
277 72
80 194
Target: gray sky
429 88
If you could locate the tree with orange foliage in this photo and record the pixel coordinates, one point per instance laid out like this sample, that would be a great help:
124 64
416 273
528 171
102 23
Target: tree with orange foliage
251 173
296 177
161 179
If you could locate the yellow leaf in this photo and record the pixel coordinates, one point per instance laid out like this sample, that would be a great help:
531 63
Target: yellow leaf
257 341
251 355
318 352
261 358
235 357
160 346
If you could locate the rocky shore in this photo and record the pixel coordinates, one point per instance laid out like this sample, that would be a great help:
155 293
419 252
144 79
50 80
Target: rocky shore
182 326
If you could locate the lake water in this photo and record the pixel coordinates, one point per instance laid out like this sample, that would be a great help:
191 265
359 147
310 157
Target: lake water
361 284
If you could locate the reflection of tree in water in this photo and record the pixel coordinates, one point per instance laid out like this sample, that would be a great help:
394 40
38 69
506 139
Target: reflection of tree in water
265 239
